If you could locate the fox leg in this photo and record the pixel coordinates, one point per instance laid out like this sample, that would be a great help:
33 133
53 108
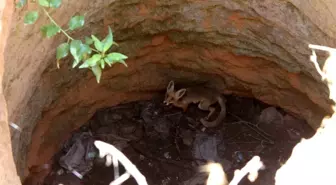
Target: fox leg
204 105
183 106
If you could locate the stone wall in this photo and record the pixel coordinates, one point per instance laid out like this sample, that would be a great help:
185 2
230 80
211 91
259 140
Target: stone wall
8 173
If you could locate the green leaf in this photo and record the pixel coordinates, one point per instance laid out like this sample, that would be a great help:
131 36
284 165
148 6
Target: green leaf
76 22
93 60
102 63
75 63
62 51
97 72
44 3
50 30
108 41
74 49
84 65
97 43
55 3
50 3
78 51
108 62
31 17
122 62
85 49
21 3
88 41
113 57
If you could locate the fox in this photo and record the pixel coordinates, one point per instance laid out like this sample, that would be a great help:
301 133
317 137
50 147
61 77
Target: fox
204 97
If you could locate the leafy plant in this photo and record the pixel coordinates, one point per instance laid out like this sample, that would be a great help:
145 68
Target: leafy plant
93 53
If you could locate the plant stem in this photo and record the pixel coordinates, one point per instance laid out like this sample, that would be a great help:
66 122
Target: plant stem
53 21
63 31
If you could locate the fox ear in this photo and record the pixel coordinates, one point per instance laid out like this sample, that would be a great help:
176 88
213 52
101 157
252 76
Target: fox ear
180 93
170 87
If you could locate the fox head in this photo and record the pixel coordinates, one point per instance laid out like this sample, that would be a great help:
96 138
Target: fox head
171 95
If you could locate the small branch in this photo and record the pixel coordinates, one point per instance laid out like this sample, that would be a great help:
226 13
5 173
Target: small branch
107 149
313 58
63 31
121 179
252 167
233 137
216 172
53 21
115 167
323 48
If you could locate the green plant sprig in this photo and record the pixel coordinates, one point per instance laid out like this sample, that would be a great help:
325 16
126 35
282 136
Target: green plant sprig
92 53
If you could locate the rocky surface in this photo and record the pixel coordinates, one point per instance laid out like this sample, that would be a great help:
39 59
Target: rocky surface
8 174
250 48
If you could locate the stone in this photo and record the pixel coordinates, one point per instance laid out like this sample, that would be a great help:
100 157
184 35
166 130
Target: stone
271 116
205 147
127 127
162 126
116 116
66 178
187 137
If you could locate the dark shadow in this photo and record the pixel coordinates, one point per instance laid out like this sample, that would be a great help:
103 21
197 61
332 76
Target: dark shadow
167 144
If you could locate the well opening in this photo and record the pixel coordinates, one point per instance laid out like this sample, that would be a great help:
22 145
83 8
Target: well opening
252 50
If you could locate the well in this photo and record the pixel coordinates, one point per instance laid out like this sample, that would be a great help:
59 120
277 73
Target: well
249 48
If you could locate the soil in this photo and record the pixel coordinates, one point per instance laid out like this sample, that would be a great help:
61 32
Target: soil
168 145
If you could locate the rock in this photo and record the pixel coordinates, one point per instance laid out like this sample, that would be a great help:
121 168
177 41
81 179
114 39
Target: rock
167 155
205 147
80 154
116 116
120 145
271 116
166 181
294 134
162 126
127 127
106 118
93 125
187 137
129 114
105 130
197 179
130 130
147 113
226 164
67 178
242 157
292 122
